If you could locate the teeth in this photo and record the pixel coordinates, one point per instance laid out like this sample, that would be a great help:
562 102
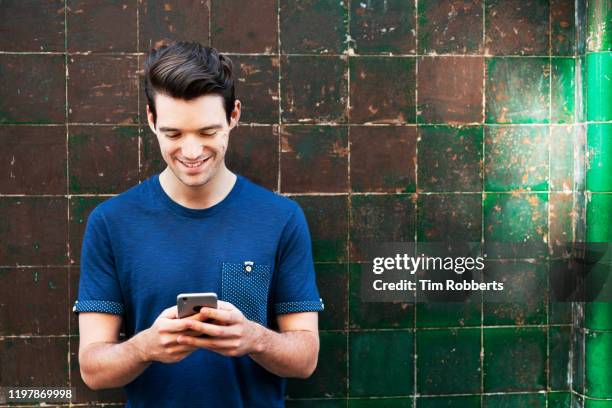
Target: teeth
196 164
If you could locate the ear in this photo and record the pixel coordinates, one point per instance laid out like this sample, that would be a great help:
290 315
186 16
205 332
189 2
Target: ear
150 120
235 115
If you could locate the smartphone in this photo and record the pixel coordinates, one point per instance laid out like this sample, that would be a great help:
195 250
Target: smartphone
191 303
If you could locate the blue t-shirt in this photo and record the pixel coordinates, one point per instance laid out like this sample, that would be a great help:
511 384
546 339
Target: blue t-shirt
141 249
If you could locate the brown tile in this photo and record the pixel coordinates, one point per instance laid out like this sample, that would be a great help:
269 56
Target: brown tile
33 160
253 153
38 306
33 230
449 217
450 27
32 25
151 160
450 90
378 219
383 158
374 98
313 98
90 29
32 89
103 89
176 20
244 26
383 27
328 224
257 88
332 281
314 159
562 216
103 159
563 27
80 208
563 157
313 26
38 361
517 27
84 394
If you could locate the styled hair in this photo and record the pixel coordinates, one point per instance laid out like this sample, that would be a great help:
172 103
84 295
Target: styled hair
187 70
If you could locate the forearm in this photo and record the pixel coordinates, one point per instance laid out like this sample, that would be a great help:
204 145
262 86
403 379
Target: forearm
287 354
112 365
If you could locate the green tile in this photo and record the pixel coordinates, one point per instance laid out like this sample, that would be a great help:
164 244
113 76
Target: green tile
559 312
316 403
599 29
559 353
449 217
523 300
459 314
598 315
329 379
598 363
559 399
578 360
449 402
563 90
564 140
514 359
599 227
589 403
376 315
450 158
599 86
332 281
514 401
448 361
380 403
381 364
517 90
599 158
516 158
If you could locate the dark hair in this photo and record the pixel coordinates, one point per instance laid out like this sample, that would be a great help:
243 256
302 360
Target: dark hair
187 70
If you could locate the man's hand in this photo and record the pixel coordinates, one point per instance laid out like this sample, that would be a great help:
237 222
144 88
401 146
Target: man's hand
231 335
158 343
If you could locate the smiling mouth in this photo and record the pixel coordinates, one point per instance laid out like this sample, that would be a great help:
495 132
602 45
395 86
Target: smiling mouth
193 165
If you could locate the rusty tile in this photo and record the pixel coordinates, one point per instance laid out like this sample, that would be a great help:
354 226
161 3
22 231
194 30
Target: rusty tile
32 25
31 362
332 280
84 394
176 20
253 153
24 145
376 99
563 151
32 89
90 29
80 208
450 90
563 90
562 217
563 27
151 160
517 90
383 158
33 230
253 29
103 159
314 159
449 217
450 158
313 98
450 27
257 88
517 27
38 306
380 218
383 27
328 223
313 26
103 89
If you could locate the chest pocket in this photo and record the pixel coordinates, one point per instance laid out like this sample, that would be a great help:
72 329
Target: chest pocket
246 286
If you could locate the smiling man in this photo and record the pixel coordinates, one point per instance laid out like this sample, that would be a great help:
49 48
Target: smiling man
196 227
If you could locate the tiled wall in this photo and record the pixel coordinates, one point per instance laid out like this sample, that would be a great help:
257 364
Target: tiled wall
386 120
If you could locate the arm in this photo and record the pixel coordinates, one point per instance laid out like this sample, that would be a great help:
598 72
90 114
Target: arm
292 352
106 363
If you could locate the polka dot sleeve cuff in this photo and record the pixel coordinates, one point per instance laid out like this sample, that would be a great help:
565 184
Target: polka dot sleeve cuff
295 307
102 306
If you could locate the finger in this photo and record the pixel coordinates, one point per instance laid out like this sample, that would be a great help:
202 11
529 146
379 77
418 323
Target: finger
222 316
213 330
175 325
210 343
170 313
223 305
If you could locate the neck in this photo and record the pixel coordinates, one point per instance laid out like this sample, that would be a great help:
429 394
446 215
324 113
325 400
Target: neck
198 197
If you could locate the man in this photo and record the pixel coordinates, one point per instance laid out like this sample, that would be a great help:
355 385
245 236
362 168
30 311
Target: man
196 227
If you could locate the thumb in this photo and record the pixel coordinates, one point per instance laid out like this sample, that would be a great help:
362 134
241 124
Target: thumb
170 313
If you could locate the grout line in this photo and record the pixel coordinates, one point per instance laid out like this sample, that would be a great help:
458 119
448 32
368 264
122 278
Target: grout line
415 349
483 194
279 89
548 236
349 203
138 90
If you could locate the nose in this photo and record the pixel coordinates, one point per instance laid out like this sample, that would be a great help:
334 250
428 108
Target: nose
191 148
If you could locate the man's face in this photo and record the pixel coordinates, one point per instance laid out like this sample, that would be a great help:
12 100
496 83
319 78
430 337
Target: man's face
193 136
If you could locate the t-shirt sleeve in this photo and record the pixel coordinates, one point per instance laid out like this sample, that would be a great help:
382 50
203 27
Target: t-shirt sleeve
99 289
296 288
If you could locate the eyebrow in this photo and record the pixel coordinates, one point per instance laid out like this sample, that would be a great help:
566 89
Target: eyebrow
171 129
